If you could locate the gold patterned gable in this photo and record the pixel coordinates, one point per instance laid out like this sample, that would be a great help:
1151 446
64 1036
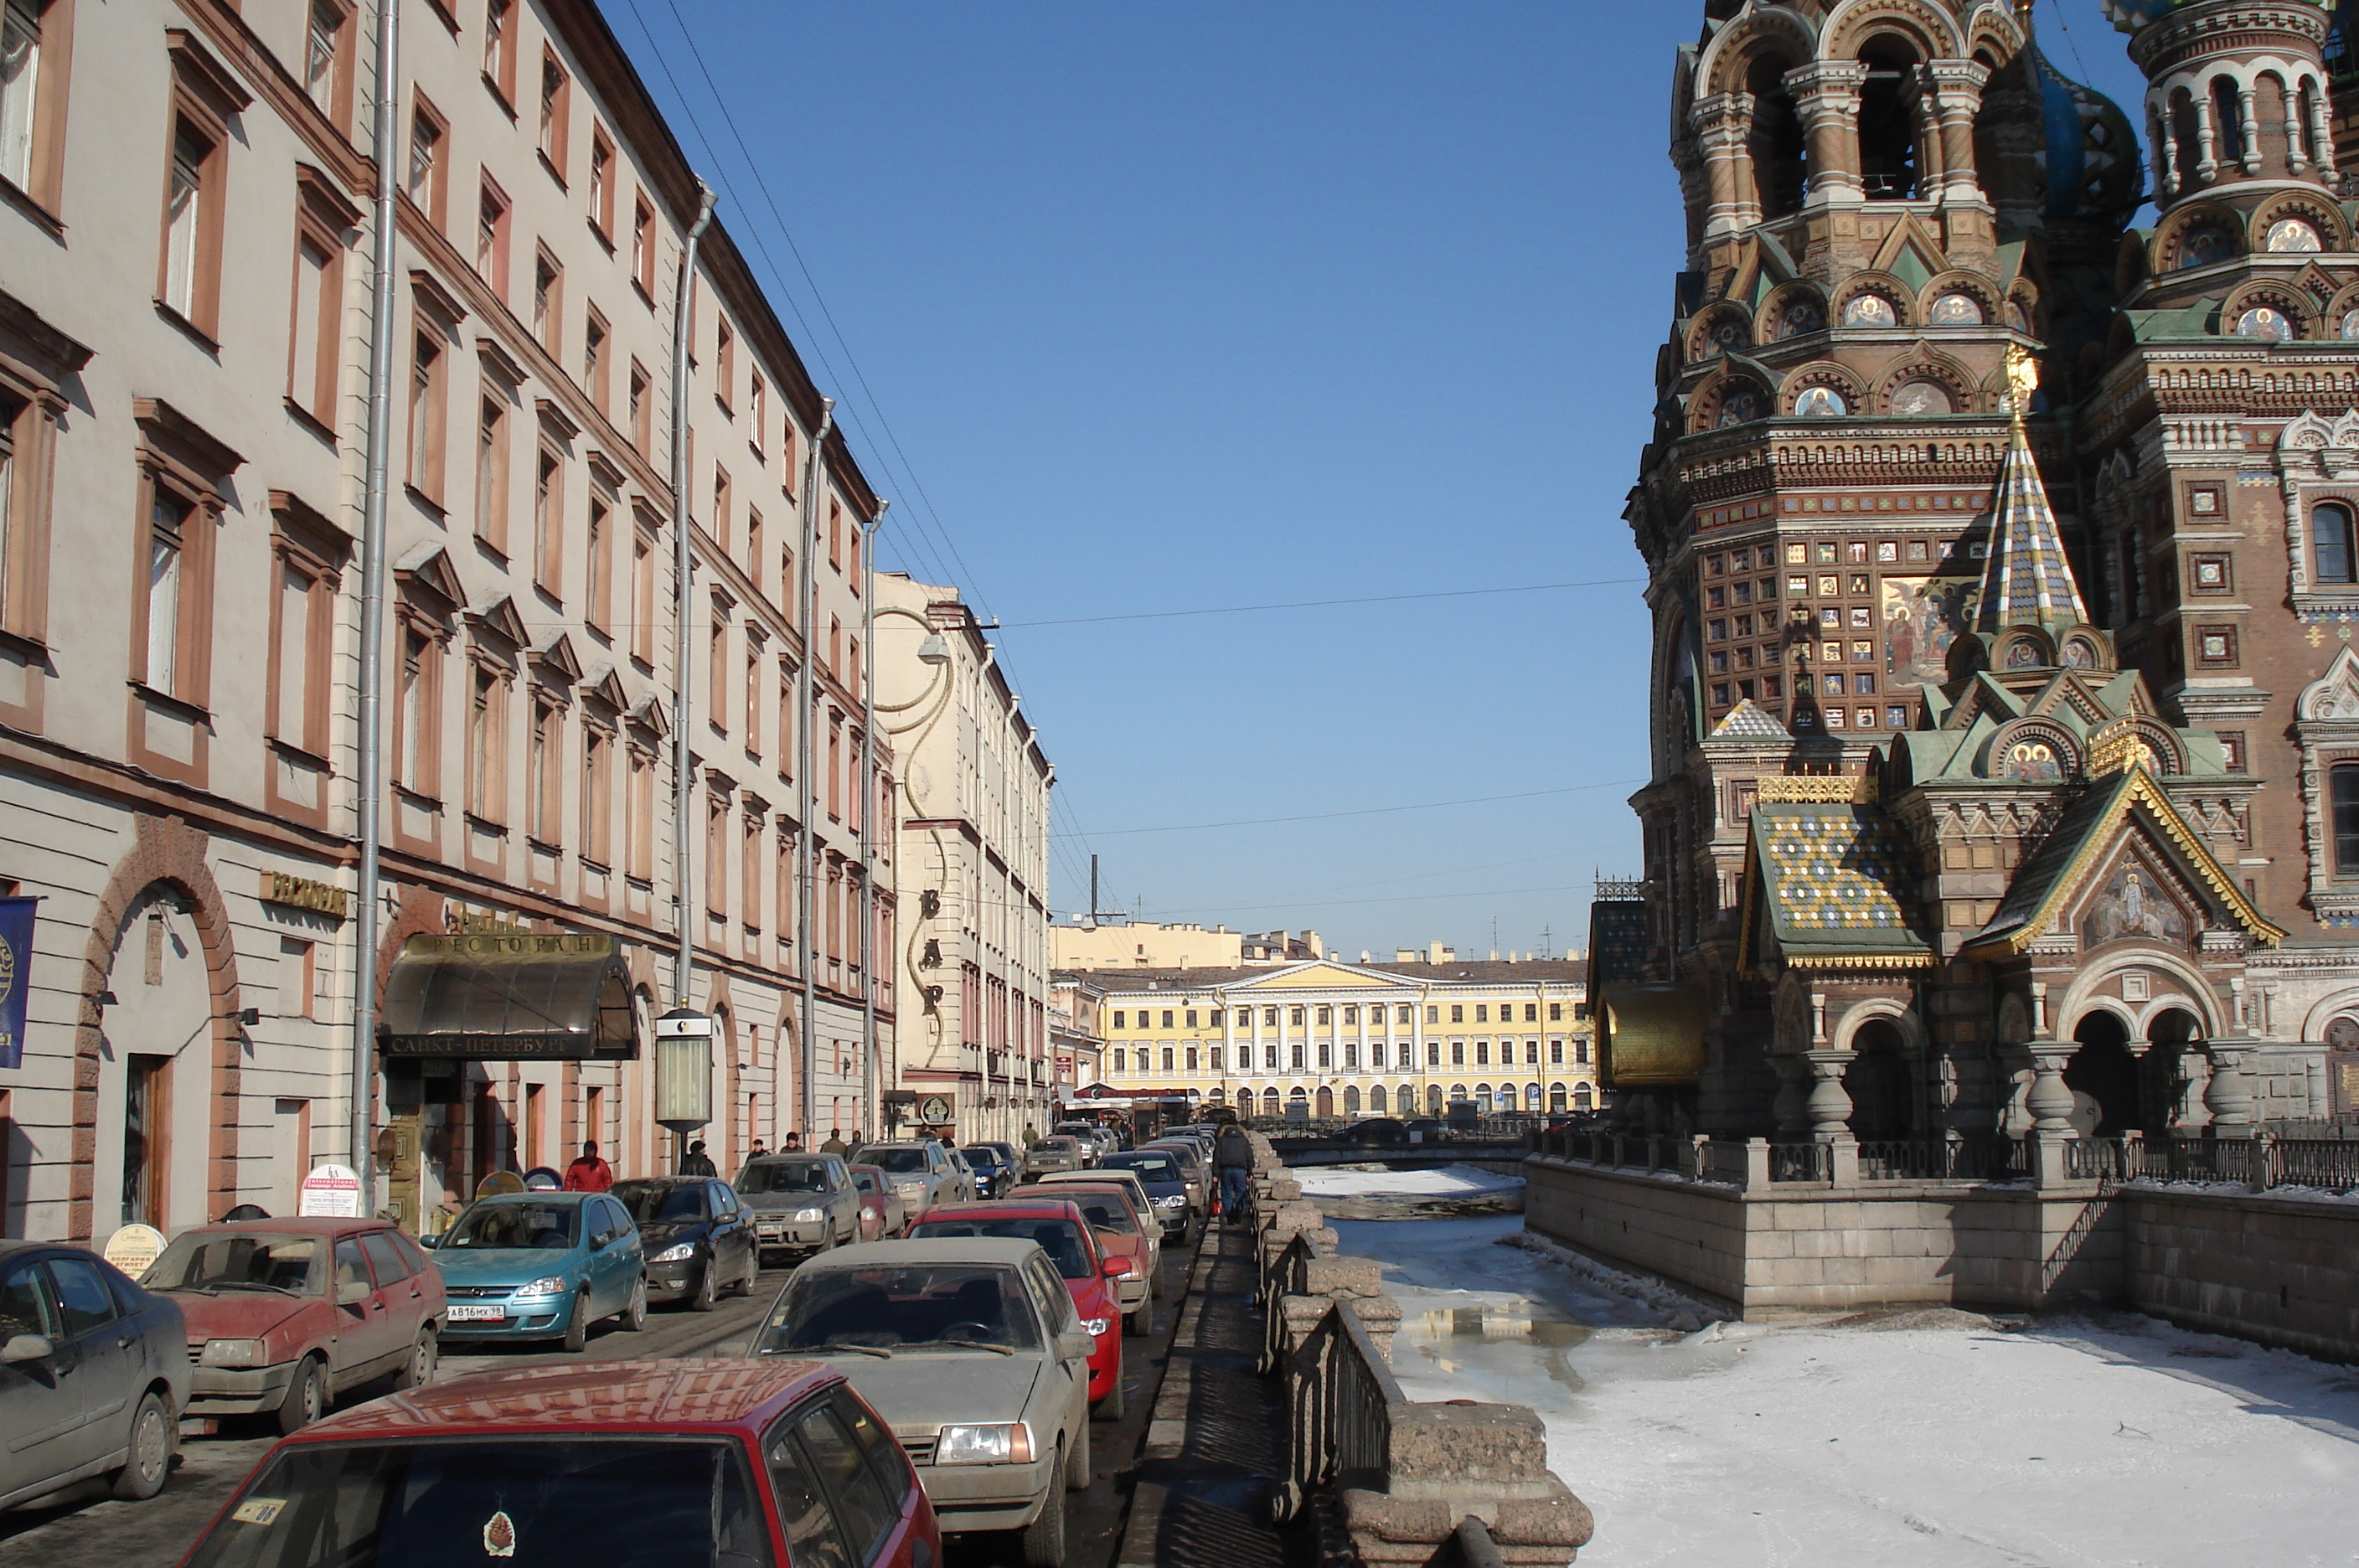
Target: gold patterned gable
1830 879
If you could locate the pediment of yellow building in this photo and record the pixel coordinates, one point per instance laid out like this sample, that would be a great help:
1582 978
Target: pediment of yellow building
1323 977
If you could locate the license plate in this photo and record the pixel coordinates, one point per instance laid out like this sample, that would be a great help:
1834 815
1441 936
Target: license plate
464 1311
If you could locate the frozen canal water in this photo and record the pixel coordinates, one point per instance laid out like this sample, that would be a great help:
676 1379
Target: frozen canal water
2112 1439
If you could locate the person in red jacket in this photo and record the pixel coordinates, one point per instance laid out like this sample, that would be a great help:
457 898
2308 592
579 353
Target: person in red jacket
589 1174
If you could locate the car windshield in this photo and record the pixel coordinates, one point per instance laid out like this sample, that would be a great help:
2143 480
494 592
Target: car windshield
784 1176
215 1261
897 1309
1103 1210
980 1155
1149 1167
657 1202
900 1161
1060 1240
531 1502
547 1228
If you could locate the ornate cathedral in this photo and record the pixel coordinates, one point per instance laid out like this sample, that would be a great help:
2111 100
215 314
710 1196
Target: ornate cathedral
2003 573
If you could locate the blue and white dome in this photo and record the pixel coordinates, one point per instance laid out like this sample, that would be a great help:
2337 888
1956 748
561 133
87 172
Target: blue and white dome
2091 158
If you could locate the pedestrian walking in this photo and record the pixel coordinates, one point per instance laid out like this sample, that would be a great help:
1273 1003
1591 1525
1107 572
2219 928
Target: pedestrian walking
698 1162
761 1148
833 1143
589 1174
1232 1157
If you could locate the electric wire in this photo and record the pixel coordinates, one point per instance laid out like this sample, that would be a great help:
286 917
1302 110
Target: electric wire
1374 810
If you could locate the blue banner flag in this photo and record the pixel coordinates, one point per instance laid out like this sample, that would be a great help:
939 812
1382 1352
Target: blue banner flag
16 976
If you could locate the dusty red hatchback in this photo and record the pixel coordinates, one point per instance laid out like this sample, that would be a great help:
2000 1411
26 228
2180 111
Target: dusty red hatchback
619 1465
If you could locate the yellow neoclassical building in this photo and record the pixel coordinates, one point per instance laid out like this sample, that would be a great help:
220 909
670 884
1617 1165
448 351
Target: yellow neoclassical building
1331 1038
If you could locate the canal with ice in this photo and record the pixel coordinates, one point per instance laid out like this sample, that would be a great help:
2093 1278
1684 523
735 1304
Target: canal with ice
1928 1438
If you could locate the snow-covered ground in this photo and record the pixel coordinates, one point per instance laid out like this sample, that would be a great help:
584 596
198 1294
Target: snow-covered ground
2113 1439
1436 1181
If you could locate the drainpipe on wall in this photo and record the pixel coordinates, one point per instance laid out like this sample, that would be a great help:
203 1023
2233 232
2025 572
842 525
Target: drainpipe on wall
807 616
384 137
869 826
683 782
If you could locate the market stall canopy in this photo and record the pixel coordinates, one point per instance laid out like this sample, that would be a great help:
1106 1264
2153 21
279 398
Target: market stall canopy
510 996
1653 1037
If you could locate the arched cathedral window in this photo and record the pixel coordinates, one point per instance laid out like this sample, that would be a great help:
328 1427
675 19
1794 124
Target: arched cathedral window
2329 536
2343 793
1888 153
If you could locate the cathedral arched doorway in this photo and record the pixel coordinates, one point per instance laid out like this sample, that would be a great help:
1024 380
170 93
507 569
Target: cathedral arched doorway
2163 1072
2103 1070
1882 1104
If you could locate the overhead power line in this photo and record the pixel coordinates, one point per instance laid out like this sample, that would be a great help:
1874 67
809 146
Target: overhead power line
1370 811
1326 604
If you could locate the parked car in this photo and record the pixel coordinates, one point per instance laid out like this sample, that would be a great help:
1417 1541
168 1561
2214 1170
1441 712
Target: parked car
1123 1232
972 1350
919 1171
881 1213
1168 1192
1058 1151
93 1375
540 1265
285 1317
745 1464
995 1166
1058 1228
965 1176
801 1202
1129 1183
1195 1170
699 1238
1376 1132
1425 1129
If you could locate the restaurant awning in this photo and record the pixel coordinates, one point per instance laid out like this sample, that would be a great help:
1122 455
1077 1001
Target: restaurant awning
543 996
1653 1037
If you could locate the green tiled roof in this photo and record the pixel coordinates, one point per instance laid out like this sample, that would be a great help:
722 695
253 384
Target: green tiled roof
1833 883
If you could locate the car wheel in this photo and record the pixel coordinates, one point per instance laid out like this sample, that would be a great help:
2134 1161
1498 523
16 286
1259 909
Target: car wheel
635 1316
577 1323
152 1434
1136 1322
307 1396
708 1288
1111 1407
1044 1538
1076 1462
419 1370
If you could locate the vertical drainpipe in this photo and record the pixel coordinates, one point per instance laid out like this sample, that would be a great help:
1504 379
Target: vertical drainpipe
384 143
869 826
683 706
807 616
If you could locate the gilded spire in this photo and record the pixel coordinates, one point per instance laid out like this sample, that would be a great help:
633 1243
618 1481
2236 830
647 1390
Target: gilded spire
2029 581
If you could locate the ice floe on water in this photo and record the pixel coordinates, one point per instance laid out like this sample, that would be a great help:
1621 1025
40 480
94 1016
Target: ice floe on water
1927 1436
1436 1181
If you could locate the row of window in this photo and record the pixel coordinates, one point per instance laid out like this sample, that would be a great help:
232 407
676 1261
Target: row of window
1300 1057
1302 1104
1325 1016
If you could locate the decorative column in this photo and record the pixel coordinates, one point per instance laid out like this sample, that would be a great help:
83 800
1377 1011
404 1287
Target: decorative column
2206 162
1721 122
2228 1097
2251 121
1826 96
2296 162
2322 134
2165 159
2050 1101
1954 88
1829 1107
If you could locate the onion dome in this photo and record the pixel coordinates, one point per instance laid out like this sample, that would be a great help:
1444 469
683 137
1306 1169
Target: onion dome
2091 160
2129 15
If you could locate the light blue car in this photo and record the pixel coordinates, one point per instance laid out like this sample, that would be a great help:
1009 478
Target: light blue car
540 1265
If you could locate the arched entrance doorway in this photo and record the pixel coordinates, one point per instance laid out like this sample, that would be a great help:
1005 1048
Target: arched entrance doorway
1323 1103
2103 1070
2163 1072
1882 1102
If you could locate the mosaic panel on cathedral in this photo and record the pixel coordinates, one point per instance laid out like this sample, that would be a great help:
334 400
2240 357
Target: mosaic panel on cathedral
1835 869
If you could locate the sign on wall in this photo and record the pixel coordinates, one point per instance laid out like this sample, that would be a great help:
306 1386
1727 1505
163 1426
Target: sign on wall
331 1191
133 1248
16 976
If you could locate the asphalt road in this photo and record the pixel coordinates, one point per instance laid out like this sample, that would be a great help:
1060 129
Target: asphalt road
83 1527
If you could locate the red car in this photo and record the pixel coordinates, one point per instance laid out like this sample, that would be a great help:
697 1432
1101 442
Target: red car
752 1464
1072 1246
287 1316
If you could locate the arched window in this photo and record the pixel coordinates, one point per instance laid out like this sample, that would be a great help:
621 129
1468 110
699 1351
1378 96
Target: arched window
1351 1100
2343 786
1269 1101
1780 154
1326 1103
1556 1098
1888 164
1376 1100
2329 536
2227 121
1433 1099
1581 1098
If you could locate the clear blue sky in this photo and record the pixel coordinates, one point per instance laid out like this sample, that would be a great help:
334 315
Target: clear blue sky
1171 308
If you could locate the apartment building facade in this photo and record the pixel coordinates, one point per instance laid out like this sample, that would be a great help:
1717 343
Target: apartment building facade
187 224
973 870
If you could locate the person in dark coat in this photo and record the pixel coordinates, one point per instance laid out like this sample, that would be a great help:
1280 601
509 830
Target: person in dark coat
697 1162
1232 1157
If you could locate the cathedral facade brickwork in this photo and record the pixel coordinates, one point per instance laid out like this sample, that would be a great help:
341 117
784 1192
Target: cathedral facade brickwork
2003 561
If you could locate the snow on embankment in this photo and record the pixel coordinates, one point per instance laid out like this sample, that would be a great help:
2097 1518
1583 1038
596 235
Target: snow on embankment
1372 1193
